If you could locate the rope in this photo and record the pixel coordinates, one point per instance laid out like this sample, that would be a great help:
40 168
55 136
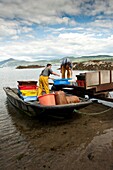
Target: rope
97 113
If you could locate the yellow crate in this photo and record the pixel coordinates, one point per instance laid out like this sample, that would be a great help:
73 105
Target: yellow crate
29 92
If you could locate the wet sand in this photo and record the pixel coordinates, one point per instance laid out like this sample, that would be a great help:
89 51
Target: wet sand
84 142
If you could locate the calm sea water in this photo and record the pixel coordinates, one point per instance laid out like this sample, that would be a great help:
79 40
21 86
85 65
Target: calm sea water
18 133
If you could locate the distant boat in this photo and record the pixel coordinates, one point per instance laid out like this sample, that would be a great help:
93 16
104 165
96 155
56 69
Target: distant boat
34 108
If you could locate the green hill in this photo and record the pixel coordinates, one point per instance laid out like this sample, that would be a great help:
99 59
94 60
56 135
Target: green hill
14 63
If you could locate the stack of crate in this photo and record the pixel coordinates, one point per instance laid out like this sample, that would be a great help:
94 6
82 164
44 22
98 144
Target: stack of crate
28 90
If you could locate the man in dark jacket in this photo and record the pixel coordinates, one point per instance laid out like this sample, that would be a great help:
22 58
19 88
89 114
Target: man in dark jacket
66 65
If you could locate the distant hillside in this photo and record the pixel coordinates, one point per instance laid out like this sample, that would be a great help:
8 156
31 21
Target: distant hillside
15 63
11 62
6 61
85 58
97 57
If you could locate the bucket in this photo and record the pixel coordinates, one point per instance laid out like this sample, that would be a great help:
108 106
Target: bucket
47 99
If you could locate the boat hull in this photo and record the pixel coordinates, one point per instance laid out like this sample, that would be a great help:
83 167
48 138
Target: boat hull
35 109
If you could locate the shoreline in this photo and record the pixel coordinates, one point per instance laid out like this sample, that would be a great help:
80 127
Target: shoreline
86 65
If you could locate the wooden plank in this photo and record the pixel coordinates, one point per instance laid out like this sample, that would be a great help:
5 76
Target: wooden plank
104 87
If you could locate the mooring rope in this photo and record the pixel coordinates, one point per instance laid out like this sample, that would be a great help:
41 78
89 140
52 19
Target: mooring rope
89 114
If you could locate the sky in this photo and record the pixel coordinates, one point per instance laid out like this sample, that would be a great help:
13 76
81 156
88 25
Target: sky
46 29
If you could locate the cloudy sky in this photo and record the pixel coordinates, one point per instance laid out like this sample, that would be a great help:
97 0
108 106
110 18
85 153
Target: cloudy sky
35 29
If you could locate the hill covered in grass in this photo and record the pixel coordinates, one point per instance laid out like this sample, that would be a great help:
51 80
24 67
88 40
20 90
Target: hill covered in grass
32 64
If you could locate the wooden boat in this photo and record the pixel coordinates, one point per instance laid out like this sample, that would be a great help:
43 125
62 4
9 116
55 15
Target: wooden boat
34 108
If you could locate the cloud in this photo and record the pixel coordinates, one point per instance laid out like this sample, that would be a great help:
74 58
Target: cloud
63 45
53 12
48 29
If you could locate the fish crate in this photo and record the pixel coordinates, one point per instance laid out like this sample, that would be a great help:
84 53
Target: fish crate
28 92
27 87
29 98
27 83
61 81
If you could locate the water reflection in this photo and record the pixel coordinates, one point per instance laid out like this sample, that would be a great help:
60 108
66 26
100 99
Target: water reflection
35 144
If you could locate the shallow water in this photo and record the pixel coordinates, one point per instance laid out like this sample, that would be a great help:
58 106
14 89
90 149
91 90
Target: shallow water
84 142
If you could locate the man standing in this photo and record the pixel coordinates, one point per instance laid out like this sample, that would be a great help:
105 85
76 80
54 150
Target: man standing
43 79
66 65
